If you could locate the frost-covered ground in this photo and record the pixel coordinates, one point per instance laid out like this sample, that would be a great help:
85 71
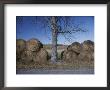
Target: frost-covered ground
56 71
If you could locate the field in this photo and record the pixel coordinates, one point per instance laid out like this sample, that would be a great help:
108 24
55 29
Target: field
58 68
77 67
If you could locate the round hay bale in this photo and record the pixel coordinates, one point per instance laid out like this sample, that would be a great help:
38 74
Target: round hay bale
41 56
34 45
76 47
77 52
69 56
92 56
86 56
20 49
20 45
69 48
29 57
88 45
87 52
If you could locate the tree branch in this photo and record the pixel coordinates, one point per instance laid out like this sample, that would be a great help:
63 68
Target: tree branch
64 32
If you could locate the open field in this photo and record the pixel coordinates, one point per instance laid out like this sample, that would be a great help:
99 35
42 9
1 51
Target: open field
58 68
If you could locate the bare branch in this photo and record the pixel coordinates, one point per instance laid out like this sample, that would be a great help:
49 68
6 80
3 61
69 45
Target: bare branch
64 32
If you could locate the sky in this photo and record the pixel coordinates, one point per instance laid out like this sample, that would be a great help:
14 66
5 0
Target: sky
38 27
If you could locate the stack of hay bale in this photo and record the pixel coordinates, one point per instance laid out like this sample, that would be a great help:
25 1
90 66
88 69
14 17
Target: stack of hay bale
33 52
77 52
71 53
20 50
87 52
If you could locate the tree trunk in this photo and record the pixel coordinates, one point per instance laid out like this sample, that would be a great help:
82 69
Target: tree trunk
54 39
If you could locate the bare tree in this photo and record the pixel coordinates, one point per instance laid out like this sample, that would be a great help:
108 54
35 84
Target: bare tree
54 39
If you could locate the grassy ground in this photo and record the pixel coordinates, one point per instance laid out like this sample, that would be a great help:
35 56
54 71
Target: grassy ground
58 65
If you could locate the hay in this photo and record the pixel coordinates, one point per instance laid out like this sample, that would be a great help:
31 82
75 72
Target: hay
76 47
33 45
79 52
20 49
32 52
41 56
88 46
86 56
69 56
87 52
35 52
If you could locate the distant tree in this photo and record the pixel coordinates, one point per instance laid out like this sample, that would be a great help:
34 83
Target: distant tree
59 25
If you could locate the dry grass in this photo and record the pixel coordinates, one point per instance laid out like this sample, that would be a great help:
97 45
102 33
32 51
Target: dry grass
57 65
